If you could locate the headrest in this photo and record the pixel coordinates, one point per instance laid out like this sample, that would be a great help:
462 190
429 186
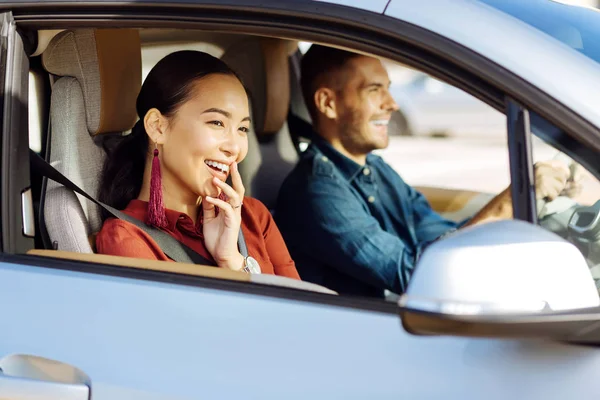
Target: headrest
107 63
262 65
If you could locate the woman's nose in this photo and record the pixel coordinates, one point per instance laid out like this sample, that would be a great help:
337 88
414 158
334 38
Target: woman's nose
231 146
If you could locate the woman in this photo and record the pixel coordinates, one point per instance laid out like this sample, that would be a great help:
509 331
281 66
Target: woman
171 170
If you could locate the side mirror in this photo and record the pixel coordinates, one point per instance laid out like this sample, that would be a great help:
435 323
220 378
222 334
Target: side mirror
495 273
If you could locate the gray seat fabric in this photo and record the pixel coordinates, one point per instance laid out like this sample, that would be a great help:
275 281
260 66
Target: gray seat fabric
263 67
71 219
86 101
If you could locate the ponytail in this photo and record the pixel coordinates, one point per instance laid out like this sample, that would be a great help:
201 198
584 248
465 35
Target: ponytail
123 171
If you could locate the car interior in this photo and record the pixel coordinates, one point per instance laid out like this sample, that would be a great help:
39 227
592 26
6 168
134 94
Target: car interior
83 87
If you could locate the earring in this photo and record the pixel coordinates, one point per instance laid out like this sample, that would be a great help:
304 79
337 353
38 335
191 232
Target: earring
156 215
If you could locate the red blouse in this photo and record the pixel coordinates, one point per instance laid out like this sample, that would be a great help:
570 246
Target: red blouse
264 241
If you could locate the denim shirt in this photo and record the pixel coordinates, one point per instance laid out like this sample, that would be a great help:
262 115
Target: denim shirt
355 229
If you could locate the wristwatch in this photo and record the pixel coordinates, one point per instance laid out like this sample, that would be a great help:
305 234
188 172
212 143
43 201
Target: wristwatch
251 265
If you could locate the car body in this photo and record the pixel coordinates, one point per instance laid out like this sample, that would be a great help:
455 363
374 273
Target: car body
87 325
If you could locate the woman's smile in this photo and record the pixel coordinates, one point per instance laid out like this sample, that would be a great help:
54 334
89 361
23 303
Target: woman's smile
218 169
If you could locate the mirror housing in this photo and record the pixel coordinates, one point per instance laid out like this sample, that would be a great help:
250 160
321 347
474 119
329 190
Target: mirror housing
503 268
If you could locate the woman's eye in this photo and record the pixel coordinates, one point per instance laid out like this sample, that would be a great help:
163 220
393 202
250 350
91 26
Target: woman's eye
244 129
217 123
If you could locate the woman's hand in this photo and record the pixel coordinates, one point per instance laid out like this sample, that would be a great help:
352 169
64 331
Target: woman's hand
221 229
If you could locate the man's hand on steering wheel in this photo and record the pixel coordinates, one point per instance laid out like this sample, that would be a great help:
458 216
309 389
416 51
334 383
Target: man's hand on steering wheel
574 183
551 179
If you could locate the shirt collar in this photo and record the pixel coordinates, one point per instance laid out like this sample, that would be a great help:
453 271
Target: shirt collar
349 168
139 209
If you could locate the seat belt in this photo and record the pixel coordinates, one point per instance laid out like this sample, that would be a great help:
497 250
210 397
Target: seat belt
173 248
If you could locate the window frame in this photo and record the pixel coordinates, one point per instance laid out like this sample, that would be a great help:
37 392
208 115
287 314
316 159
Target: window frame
363 31
521 165
5 19
14 174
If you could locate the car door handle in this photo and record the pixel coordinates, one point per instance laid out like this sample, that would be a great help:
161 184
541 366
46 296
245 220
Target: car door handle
25 377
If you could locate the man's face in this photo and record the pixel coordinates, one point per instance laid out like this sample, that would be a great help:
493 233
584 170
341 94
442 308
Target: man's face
364 106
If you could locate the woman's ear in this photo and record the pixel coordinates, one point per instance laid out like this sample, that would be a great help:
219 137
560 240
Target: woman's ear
325 102
156 126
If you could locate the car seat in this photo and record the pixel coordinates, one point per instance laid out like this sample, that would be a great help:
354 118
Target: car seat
263 66
96 75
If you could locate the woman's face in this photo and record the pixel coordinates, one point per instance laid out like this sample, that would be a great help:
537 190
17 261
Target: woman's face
204 137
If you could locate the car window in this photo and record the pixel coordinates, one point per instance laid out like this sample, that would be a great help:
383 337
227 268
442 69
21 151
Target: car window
448 144
574 213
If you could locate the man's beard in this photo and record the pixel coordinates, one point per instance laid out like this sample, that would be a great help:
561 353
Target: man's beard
352 137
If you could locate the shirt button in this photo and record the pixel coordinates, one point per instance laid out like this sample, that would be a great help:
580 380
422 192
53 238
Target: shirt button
366 171
324 159
371 199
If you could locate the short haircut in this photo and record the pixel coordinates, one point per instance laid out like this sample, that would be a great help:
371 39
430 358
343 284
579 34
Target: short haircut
320 64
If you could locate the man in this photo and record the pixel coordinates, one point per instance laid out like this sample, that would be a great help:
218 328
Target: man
350 222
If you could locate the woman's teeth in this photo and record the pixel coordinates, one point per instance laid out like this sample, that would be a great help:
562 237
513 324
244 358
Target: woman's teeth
220 166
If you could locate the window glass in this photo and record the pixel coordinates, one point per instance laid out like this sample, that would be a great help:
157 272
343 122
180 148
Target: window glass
573 214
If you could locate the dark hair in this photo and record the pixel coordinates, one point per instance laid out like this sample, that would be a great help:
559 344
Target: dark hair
168 85
321 63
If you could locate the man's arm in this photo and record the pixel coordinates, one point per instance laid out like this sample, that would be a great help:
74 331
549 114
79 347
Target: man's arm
500 207
550 180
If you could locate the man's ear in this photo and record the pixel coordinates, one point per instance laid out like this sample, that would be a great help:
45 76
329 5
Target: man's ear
325 100
156 125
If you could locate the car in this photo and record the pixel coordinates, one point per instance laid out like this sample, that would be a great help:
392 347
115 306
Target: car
508 309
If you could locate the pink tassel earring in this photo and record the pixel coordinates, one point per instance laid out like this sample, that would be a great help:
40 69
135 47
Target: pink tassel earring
156 209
